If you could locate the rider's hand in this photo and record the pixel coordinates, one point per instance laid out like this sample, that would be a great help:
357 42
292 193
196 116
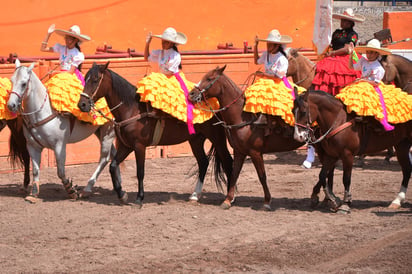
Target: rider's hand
51 29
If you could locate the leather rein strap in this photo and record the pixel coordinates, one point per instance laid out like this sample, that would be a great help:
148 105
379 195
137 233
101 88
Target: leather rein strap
339 129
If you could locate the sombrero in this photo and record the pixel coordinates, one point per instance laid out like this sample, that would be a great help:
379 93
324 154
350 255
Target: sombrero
74 31
349 15
275 37
373 45
171 35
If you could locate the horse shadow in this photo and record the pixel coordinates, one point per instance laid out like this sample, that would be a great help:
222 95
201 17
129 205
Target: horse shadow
53 192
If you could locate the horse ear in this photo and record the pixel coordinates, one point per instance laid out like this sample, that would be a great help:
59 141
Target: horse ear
17 62
220 70
106 65
31 67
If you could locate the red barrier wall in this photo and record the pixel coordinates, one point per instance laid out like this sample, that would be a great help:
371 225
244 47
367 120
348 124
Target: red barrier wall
400 23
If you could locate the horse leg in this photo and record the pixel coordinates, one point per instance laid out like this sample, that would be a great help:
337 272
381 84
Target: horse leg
257 160
106 136
402 154
327 172
122 153
35 154
60 154
389 154
314 198
196 144
347 164
239 159
140 155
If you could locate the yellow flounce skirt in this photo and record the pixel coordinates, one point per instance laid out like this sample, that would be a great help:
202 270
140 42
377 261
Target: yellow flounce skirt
165 93
65 89
271 96
362 98
5 88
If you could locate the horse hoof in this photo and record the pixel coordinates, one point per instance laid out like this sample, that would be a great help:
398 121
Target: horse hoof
23 191
225 205
266 207
138 204
124 198
394 206
31 199
343 209
85 194
74 196
194 197
314 201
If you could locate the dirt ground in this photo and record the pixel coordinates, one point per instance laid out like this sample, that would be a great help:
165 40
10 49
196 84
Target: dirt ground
170 234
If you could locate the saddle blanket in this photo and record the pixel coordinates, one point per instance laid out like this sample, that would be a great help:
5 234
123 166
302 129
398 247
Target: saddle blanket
166 94
362 98
64 89
5 87
271 96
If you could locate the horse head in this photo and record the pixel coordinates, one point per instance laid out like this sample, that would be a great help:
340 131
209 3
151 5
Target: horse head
398 70
302 118
91 91
206 88
301 69
20 85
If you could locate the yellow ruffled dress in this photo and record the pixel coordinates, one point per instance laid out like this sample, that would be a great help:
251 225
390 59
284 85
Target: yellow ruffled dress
164 93
64 89
5 88
362 98
271 96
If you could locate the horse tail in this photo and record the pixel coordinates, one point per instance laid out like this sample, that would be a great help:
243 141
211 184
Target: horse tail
17 144
218 171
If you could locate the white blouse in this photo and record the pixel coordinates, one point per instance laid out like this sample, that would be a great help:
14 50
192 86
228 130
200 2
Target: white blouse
168 60
68 57
371 70
277 64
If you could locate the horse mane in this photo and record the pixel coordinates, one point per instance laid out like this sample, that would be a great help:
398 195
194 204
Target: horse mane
124 89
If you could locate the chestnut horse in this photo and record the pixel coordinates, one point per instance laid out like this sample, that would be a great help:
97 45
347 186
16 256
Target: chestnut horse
137 127
398 70
343 138
301 69
245 137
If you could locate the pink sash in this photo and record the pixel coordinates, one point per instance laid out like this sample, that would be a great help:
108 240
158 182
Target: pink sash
384 122
189 104
287 84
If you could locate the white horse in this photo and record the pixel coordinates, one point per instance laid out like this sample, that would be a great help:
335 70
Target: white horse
46 128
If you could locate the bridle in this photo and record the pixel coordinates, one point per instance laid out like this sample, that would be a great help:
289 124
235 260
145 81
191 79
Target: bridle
297 70
310 132
91 100
24 94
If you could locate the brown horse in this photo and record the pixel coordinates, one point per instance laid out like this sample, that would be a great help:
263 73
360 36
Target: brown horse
343 138
301 69
398 70
137 127
245 137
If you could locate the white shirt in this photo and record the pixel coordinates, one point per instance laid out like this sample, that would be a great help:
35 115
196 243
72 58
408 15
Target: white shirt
68 57
371 70
276 65
168 60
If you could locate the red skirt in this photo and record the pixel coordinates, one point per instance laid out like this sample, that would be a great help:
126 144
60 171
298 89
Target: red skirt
333 73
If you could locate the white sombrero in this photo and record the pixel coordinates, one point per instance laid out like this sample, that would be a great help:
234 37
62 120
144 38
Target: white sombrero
171 35
74 31
373 45
275 37
348 14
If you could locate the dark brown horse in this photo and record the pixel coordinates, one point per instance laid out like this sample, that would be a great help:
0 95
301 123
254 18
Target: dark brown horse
398 70
137 128
245 137
18 153
342 137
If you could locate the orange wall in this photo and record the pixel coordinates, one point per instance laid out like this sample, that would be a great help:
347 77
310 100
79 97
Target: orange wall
125 23
400 24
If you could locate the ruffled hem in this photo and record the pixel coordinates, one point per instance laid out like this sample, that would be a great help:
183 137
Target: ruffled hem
362 98
271 96
165 93
333 73
5 87
65 89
